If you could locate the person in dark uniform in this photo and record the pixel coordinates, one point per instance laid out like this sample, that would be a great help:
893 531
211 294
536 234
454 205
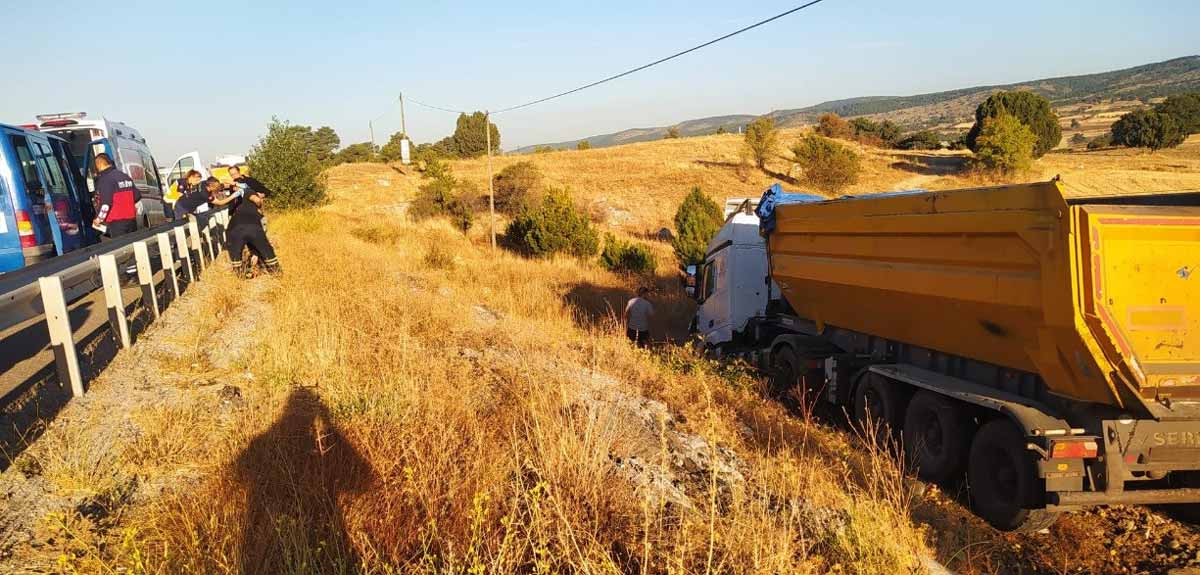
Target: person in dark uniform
245 229
192 199
117 213
240 181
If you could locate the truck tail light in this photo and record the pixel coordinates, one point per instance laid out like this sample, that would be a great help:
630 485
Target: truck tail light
25 229
1074 449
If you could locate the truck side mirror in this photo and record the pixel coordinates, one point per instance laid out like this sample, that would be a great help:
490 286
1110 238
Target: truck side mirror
690 281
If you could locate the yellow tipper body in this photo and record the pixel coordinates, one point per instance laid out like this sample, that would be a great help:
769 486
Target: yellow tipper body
1102 301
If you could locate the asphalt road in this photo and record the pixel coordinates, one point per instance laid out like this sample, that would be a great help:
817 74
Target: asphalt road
25 353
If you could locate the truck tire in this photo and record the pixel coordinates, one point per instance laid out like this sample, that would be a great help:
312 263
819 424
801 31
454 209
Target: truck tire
937 436
1003 480
879 401
785 371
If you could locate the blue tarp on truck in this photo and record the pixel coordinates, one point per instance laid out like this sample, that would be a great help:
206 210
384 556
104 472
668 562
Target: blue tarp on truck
774 197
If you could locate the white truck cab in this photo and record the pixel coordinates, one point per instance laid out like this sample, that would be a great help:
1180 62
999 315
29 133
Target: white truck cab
733 282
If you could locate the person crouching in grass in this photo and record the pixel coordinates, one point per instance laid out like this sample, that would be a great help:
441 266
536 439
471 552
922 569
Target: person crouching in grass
246 230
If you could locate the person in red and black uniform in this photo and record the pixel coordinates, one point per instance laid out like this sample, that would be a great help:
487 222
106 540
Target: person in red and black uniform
117 213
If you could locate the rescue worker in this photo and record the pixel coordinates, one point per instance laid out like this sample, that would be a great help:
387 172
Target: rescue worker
116 214
240 180
192 200
246 230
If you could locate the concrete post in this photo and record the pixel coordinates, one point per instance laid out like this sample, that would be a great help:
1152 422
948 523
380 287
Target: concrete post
194 232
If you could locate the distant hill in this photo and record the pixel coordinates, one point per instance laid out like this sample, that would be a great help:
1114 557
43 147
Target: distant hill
942 110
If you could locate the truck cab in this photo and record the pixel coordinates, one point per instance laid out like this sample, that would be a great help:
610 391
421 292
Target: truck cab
732 282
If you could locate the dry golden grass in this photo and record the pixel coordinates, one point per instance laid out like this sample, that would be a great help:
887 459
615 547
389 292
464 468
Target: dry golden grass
416 408
415 405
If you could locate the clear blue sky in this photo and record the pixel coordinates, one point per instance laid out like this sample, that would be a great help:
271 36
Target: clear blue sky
210 75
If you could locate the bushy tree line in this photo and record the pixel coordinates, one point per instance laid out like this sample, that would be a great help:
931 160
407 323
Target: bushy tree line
1166 125
289 160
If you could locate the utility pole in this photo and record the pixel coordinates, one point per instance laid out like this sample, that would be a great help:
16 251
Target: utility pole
403 128
371 126
487 128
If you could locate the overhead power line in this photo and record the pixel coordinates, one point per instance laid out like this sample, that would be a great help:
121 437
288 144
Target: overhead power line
660 60
432 107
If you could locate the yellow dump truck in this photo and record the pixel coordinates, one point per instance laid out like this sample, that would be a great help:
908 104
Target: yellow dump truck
1047 346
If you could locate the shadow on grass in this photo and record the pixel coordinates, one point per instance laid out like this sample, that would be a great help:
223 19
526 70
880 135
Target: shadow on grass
293 474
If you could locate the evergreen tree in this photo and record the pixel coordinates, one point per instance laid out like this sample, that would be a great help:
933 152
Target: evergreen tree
696 222
1028 108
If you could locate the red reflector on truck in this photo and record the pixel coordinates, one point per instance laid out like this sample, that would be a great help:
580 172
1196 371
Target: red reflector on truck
1074 449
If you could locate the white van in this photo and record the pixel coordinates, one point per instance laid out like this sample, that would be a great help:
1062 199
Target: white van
127 147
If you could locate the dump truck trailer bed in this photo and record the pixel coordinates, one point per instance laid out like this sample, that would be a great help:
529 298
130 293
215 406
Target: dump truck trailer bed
1047 346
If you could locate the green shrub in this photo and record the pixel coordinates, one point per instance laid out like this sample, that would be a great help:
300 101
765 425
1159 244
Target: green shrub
583 145
1102 141
697 220
832 125
554 226
1148 129
443 195
672 133
828 165
390 152
1028 108
515 187
1004 144
626 257
1185 108
923 140
284 161
760 140
355 153
884 133
543 149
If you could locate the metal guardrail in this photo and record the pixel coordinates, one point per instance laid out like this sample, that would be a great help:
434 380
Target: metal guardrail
48 288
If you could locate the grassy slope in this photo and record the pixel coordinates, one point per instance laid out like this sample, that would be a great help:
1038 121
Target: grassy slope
637 187
416 406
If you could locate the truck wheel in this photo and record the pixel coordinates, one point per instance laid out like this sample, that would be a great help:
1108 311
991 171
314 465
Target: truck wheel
1003 479
784 371
879 401
937 436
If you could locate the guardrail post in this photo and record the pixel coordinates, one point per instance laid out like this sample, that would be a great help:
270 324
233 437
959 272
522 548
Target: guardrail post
112 298
58 321
185 254
168 265
141 253
208 241
194 229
